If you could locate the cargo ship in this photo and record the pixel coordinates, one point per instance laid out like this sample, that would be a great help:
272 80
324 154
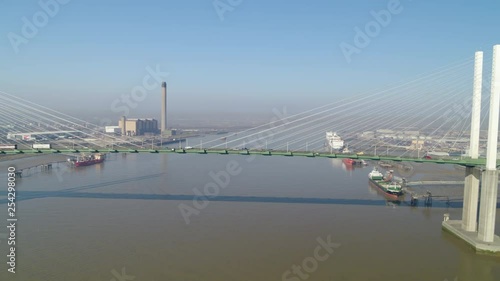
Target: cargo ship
335 142
87 160
385 183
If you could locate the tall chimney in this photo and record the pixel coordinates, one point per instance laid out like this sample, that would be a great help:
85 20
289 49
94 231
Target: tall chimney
164 108
124 126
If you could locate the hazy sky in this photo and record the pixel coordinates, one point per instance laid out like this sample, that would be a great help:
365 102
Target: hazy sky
254 57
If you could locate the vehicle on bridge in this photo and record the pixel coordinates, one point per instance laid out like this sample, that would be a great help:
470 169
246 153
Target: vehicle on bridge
8 146
41 146
437 153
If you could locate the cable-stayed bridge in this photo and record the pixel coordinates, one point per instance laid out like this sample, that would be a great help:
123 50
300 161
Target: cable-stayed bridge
432 110
440 111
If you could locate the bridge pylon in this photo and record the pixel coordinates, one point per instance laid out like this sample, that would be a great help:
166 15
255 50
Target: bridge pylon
489 188
480 234
472 174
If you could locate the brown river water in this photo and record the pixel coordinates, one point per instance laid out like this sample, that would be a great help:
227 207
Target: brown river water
266 218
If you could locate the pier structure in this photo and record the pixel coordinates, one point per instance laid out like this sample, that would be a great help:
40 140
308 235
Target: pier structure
46 167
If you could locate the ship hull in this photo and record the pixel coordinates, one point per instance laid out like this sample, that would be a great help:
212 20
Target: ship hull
88 163
386 192
348 161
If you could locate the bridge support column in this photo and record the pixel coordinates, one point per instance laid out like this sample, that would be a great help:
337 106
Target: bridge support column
471 187
487 212
471 196
484 240
489 186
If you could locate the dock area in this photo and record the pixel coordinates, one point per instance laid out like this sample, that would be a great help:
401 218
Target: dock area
26 171
26 166
422 183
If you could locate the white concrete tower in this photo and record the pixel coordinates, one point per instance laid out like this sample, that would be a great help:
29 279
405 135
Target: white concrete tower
472 174
476 106
489 186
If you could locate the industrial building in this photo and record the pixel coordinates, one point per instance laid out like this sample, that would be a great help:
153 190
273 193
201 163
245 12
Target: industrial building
116 130
142 126
138 127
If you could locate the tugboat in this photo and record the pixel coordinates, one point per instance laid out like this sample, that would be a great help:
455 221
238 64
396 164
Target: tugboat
87 160
384 183
349 161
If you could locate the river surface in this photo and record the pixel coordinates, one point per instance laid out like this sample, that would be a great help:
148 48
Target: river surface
134 218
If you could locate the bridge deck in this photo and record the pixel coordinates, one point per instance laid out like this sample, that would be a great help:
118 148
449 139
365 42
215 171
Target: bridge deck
463 162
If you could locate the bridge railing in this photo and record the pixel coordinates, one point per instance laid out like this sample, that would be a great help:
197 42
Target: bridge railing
447 160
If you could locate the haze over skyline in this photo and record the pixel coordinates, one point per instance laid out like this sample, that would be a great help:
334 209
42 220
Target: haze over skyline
254 57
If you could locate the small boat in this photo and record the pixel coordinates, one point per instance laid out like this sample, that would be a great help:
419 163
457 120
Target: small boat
385 183
350 162
384 165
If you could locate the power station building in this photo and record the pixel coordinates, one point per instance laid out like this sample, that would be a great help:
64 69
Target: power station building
141 126
138 126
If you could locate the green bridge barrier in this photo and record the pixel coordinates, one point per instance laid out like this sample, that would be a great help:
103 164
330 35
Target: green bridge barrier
462 162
